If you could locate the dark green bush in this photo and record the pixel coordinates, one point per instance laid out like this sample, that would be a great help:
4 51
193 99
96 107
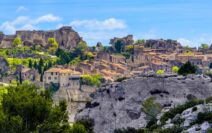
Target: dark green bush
179 109
121 79
187 68
194 109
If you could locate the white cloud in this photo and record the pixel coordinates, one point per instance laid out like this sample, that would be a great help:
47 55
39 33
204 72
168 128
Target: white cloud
26 23
196 41
94 24
7 27
47 18
21 9
185 42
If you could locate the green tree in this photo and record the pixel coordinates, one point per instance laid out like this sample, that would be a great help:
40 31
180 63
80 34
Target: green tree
187 68
53 45
140 41
151 108
175 69
17 42
20 78
92 80
160 72
25 110
119 46
82 45
89 55
35 65
30 63
204 46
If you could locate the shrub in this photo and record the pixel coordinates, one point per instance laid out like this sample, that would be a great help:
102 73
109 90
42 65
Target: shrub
201 117
17 42
175 69
120 79
92 80
129 130
160 72
194 109
151 109
187 68
179 109
87 123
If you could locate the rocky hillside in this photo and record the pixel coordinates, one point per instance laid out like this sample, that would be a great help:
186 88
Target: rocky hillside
170 45
65 36
118 105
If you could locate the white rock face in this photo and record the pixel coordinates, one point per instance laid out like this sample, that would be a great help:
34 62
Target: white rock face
118 105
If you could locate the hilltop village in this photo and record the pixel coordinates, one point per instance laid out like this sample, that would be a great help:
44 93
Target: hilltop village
62 59
63 51
83 75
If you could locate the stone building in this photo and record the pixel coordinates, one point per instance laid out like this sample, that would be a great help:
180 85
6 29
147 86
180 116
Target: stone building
63 77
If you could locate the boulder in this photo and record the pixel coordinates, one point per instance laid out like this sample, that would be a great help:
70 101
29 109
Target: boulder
119 104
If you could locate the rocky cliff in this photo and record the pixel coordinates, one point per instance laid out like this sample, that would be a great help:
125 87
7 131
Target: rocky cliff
118 105
170 45
65 36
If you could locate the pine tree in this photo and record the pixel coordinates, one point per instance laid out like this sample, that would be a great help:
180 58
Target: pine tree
20 78
35 65
30 63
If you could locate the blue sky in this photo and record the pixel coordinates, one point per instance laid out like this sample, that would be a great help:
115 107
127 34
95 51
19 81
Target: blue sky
188 21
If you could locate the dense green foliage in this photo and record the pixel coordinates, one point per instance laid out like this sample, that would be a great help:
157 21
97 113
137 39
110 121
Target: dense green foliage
179 109
204 46
151 108
140 41
17 42
75 56
175 69
130 130
206 116
26 108
120 79
160 72
91 80
187 68
53 45
119 47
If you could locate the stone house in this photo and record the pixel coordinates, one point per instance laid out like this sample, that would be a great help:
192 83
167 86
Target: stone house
63 77
117 58
27 73
103 56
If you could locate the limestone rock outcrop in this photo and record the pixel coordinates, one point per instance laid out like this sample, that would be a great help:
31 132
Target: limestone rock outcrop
66 37
118 105
128 40
170 45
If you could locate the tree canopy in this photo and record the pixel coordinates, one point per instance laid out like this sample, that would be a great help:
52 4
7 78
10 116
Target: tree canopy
26 108
187 68
53 45
204 46
175 69
17 42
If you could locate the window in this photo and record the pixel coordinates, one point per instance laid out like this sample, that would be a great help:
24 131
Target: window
49 78
55 78
51 73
